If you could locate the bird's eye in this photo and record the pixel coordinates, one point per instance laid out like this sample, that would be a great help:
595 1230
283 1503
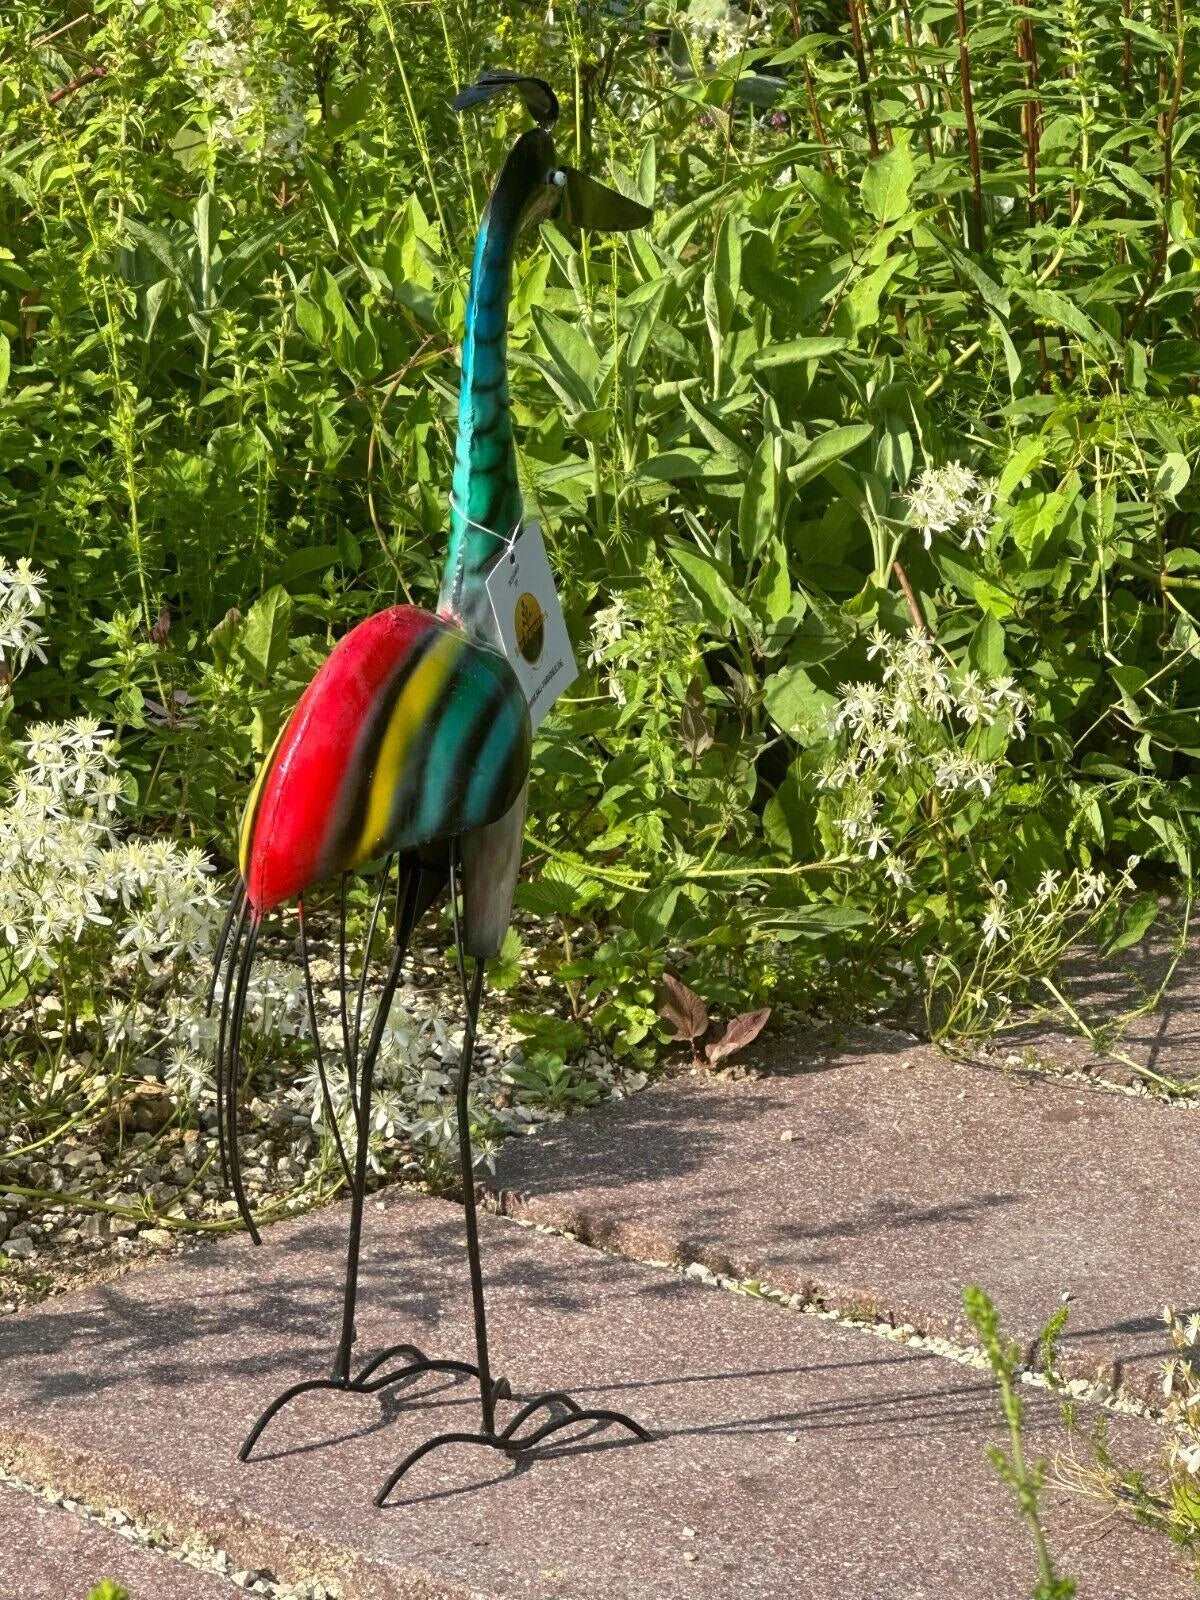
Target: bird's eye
558 179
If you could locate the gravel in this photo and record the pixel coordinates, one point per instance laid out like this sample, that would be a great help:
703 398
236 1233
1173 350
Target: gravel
144 1174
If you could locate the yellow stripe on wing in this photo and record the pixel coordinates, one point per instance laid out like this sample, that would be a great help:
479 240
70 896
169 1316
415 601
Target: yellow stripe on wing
246 831
414 704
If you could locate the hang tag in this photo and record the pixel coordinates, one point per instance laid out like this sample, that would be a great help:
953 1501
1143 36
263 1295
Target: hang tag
529 620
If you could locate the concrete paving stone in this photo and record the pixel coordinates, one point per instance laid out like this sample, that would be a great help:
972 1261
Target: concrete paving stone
47 1553
881 1177
791 1457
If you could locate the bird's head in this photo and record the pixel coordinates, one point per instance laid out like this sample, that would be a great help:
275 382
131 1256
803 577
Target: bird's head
533 184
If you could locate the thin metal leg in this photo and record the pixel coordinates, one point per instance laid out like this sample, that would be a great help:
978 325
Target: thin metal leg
314 1027
350 1056
341 1369
570 1415
466 1159
366 960
565 1410
365 1383
232 911
416 1363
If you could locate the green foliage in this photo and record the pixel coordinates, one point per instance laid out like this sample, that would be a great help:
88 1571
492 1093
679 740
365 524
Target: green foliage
1025 1480
232 279
108 1589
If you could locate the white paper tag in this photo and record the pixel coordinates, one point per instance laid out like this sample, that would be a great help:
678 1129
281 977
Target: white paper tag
529 621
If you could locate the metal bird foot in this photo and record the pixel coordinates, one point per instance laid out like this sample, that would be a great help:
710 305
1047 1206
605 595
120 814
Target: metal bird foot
565 1412
416 1364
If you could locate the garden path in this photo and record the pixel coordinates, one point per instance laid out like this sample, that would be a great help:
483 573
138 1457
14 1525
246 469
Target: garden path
792 1456
47 1553
876 1176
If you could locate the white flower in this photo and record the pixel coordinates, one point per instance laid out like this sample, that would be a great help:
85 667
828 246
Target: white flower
1092 889
995 923
973 702
881 644
1048 884
254 100
949 497
186 1074
875 842
897 873
608 629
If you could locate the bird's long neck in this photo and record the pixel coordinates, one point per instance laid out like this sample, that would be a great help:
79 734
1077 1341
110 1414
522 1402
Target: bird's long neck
486 499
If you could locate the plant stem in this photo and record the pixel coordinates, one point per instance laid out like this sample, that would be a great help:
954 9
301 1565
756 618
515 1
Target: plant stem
1168 175
975 233
860 62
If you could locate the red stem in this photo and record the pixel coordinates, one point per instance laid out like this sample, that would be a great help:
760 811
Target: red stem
89 76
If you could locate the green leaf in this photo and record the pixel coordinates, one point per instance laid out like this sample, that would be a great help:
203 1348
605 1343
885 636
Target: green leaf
860 308
548 897
1152 36
1136 923
788 818
1030 453
1172 476
262 643
189 146
551 1033
727 270
757 510
710 588
772 593
1034 516
310 321
793 351
1052 306
504 973
797 706
5 361
674 465
827 447
986 650
14 984
994 297
653 913
352 105
992 599
575 360
887 182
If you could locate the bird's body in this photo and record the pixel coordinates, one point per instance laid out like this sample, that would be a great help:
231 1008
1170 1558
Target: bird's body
410 734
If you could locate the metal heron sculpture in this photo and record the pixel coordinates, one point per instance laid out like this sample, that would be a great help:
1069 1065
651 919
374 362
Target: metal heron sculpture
411 744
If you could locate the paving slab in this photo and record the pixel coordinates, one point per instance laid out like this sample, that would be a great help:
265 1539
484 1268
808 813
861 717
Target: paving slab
790 1457
881 1177
47 1553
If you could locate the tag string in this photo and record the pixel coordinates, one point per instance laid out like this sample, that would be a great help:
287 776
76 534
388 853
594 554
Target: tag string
479 527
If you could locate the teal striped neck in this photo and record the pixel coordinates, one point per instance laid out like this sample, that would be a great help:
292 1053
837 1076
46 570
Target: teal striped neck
485 504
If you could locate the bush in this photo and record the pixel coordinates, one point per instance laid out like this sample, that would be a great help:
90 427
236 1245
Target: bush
867 470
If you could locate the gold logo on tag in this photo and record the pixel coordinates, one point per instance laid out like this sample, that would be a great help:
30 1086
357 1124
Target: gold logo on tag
530 624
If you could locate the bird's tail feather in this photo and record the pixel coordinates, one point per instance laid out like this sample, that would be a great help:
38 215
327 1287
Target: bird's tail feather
491 862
